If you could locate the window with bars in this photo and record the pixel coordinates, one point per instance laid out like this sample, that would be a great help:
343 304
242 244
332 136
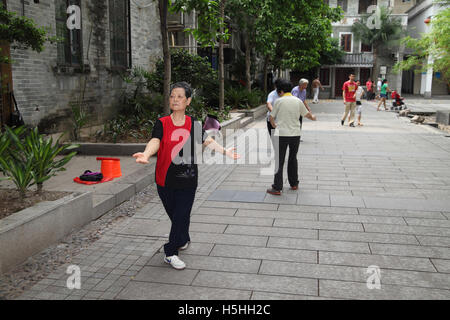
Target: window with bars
324 76
120 30
346 42
342 4
366 47
364 4
70 51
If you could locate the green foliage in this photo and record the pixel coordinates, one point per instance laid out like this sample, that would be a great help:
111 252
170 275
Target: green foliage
294 32
123 127
43 153
191 68
241 98
435 44
209 21
200 110
332 53
79 118
388 35
27 158
18 30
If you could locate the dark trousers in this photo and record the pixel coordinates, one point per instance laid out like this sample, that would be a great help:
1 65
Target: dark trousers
178 204
270 128
280 154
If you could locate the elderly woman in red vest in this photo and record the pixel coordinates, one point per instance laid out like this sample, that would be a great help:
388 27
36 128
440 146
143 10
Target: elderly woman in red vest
176 172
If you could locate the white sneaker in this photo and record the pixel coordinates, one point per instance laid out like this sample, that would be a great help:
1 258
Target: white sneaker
175 262
185 246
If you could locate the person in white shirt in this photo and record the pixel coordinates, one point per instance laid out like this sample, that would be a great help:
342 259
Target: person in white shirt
271 98
359 95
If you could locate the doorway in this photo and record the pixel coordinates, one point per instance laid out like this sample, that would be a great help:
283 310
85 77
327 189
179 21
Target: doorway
342 75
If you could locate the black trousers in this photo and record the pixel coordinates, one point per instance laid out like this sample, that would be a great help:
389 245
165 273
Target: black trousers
270 128
280 154
178 204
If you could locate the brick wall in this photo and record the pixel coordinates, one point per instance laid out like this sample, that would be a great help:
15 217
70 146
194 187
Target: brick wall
44 94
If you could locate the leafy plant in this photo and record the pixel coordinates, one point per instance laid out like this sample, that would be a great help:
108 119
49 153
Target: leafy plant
30 159
79 119
14 165
43 153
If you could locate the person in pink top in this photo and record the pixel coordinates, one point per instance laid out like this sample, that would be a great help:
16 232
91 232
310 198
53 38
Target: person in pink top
349 96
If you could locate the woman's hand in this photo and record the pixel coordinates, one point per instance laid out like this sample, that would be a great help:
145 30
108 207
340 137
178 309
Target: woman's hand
230 153
141 158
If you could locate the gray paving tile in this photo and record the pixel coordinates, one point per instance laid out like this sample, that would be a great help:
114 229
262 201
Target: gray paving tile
165 274
216 211
417 230
222 195
401 213
346 201
280 296
276 254
239 205
272 231
276 214
355 290
441 265
318 225
383 261
242 281
284 198
361 218
407 204
428 222
212 263
314 271
410 250
318 209
367 237
232 220
434 241
319 245
228 239
158 291
249 196
313 198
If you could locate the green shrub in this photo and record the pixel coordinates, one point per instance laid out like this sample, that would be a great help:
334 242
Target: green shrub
241 98
30 159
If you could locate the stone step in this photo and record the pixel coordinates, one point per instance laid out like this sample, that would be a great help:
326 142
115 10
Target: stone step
246 120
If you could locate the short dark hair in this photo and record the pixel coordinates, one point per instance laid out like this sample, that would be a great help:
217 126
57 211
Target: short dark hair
186 86
277 82
285 86
384 81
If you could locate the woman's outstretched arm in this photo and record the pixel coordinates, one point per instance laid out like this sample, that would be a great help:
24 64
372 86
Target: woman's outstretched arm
151 148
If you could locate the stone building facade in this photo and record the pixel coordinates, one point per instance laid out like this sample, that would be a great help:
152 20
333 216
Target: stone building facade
359 59
114 36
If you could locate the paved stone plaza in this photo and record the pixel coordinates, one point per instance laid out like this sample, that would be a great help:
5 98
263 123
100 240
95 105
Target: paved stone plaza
377 195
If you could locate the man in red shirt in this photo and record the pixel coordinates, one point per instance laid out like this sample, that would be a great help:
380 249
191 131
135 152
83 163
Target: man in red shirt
349 96
369 87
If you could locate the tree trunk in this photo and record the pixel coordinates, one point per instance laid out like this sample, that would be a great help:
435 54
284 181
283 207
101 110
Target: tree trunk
221 60
163 6
375 72
39 188
266 65
248 61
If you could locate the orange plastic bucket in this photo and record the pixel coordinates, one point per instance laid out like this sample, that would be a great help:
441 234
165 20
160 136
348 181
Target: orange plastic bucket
110 167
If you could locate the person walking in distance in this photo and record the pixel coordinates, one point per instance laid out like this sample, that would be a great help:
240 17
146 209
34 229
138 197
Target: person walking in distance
349 96
174 138
369 87
359 95
300 92
316 85
284 118
271 98
383 94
